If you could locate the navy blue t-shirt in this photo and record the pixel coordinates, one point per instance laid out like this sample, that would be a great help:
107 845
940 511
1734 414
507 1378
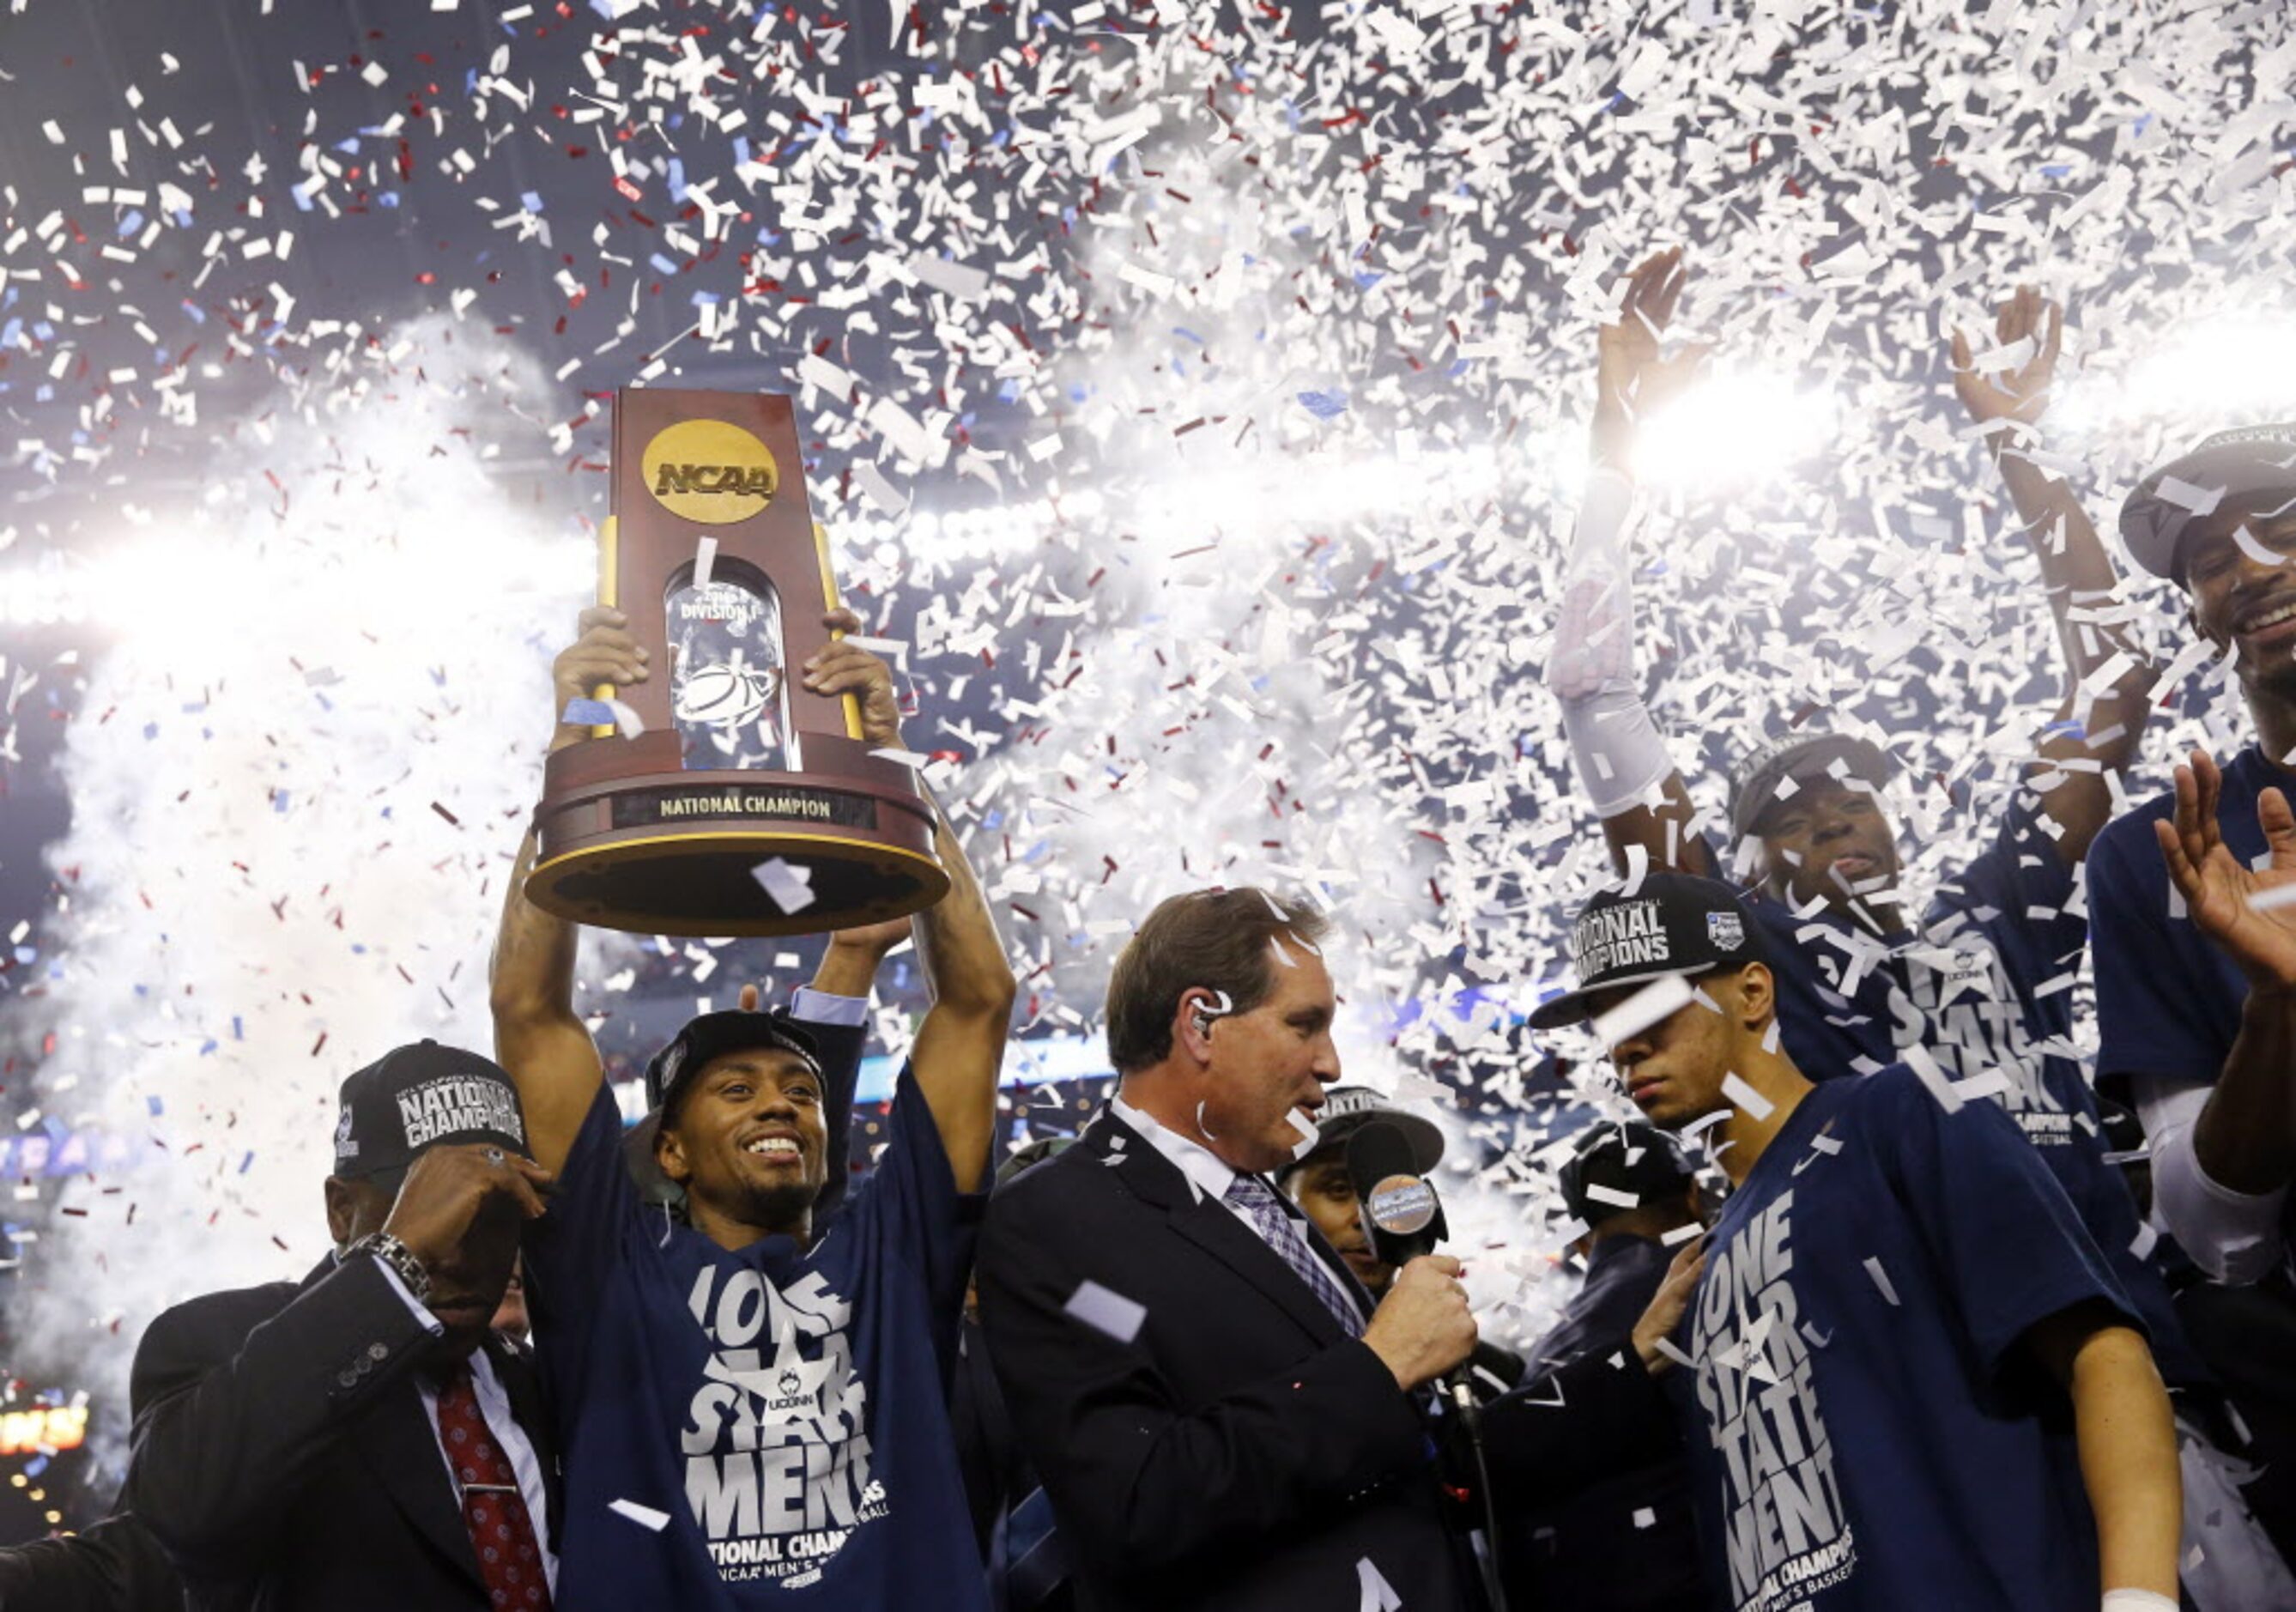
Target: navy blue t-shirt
2167 999
1863 1431
785 1411
1985 988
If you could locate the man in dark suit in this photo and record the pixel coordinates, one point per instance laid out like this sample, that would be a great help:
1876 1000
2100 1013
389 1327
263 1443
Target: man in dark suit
1220 1417
343 1443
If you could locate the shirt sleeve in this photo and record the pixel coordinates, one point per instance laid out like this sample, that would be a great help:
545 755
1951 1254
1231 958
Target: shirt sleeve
2145 987
909 1209
827 1007
2236 1236
2006 1244
572 1251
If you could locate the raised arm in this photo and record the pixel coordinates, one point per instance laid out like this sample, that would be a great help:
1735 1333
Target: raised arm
538 1037
960 1047
2077 574
1617 749
2220 1185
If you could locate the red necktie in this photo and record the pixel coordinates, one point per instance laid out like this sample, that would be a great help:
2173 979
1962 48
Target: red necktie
510 1561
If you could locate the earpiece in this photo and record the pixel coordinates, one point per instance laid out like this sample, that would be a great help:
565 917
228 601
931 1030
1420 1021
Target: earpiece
1205 1012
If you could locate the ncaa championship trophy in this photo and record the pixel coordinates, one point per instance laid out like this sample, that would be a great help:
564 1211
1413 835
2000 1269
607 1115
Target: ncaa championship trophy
746 806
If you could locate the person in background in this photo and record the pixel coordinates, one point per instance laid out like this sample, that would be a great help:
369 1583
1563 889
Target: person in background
1630 1542
753 1393
364 1439
1320 1184
1915 1382
2190 1031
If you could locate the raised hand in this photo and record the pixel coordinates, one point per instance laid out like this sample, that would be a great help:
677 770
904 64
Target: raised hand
2021 393
1631 379
844 668
604 653
2235 906
1667 1305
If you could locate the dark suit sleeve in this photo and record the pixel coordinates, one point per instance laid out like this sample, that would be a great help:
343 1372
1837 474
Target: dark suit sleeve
1599 1415
1141 1485
113 1565
229 1420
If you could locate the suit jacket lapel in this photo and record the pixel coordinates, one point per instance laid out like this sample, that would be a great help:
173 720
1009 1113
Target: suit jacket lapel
399 1440
1211 1226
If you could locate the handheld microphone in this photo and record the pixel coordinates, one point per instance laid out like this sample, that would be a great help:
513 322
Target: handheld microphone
1402 1217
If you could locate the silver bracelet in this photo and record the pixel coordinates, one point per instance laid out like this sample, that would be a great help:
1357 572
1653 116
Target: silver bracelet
400 1258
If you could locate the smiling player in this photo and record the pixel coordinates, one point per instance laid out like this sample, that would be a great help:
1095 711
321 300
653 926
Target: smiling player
751 1401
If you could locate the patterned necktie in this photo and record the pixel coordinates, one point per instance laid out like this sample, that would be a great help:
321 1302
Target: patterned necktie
1277 1229
502 1533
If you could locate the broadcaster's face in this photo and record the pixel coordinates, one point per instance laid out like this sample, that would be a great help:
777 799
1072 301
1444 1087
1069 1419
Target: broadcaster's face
1265 1063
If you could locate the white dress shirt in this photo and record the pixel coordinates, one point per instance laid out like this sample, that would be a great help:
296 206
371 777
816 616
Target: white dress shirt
494 1405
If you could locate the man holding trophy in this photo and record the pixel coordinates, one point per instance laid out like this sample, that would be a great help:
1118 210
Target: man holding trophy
749 1387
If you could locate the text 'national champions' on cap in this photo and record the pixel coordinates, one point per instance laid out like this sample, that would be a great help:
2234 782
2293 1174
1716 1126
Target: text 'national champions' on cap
417 1097
1671 923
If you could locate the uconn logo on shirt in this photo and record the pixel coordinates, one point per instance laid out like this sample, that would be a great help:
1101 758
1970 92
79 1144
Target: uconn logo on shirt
776 1442
454 1104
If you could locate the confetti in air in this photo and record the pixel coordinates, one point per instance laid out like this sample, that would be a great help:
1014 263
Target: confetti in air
1203 413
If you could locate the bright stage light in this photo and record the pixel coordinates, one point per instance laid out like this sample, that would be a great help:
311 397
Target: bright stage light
2217 371
1731 429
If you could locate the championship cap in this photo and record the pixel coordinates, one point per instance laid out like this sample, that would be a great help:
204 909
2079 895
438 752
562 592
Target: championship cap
1674 923
1348 1109
713 1035
413 1099
2156 518
1756 782
1616 1166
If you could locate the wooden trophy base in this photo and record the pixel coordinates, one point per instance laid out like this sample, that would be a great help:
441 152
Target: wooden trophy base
629 839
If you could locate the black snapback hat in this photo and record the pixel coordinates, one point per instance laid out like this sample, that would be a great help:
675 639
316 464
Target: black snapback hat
713 1035
1671 924
1629 1159
1757 778
414 1097
2157 516
1348 1109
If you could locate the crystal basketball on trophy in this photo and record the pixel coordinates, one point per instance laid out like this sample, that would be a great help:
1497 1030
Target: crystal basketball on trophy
661 823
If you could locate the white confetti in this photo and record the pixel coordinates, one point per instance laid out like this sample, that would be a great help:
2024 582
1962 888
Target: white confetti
645 1517
1756 1105
1106 1311
787 886
1646 1006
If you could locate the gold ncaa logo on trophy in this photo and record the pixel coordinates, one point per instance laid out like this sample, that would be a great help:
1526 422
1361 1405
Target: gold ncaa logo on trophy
733 765
711 471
